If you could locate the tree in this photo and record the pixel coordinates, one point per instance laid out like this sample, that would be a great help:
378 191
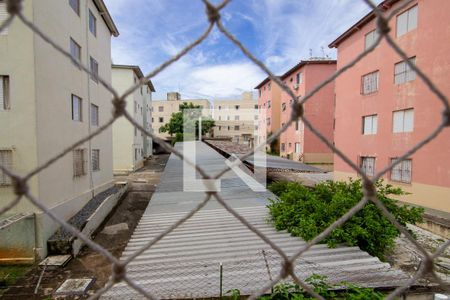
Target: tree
186 118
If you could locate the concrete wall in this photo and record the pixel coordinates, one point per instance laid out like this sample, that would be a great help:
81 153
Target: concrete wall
126 139
17 239
269 91
430 165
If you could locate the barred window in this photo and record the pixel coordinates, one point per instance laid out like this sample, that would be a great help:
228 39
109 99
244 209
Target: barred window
3 16
75 4
4 93
77 108
403 72
402 171
95 159
370 39
79 162
369 83
94 115
236 127
407 21
94 69
75 50
368 165
6 161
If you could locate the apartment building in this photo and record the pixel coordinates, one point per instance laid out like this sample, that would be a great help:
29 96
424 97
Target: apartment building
48 103
297 142
383 108
162 111
130 145
236 119
269 106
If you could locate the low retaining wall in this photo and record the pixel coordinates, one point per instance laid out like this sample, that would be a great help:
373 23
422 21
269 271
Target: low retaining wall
17 239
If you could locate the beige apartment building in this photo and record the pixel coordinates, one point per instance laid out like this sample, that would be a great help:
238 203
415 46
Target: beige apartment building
162 110
236 119
131 146
48 103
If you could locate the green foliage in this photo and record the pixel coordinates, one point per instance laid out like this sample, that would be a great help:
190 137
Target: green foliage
186 118
273 146
306 212
234 294
10 274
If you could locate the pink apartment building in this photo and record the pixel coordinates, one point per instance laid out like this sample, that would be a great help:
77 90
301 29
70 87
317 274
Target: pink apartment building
297 142
269 109
383 108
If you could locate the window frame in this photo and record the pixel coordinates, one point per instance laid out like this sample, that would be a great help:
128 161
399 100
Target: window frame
408 25
77 8
408 74
93 63
94 121
5 92
373 37
80 108
374 129
95 158
377 81
79 171
94 24
401 169
8 162
403 111
78 47
361 164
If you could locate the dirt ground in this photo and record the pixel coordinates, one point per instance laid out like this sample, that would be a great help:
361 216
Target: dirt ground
89 264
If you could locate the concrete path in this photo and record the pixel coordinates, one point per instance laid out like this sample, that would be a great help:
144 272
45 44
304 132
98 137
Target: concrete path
185 263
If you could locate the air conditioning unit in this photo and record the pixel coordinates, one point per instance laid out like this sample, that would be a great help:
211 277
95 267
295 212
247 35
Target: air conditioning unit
296 86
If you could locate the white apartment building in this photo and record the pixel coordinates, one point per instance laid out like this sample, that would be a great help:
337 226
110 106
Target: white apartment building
162 110
131 146
47 103
236 119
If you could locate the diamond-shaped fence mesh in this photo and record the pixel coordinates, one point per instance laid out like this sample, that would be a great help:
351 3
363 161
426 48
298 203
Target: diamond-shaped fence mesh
275 265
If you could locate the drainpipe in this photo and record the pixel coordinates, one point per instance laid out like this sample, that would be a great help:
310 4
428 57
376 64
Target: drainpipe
88 60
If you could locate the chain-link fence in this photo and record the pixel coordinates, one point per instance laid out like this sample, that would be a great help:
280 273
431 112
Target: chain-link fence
286 267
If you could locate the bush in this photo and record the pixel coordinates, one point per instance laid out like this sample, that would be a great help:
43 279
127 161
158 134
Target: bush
306 212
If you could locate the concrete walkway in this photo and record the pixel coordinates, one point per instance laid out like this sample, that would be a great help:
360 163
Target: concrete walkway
185 263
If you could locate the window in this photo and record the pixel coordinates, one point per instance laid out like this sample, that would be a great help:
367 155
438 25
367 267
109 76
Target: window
269 86
283 146
268 121
79 162
153 120
3 16
268 104
236 118
161 108
403 72
256 106
135 131
135 153
75 50
5 161
95 160
298 148
368 165
369 83
407 21
297 126
370 124
4 93
94 70
299 78
402 171
161 119
77 109
94 115
92 23
236 107
75 4
228 118
220 107
236 127
403 121
220 127
220 118
370 39
228 128
283 106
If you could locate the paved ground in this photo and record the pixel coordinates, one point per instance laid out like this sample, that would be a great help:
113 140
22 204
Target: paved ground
185 263
113 235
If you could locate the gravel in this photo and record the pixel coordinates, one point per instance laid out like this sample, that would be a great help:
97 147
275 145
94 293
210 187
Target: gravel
81 217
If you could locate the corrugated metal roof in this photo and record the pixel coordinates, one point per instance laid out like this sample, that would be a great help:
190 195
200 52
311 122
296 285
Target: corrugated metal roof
185 263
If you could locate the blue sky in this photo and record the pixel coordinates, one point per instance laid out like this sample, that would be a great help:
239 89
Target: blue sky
279 32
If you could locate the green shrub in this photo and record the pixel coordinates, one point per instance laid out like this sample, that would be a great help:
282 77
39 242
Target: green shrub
306 212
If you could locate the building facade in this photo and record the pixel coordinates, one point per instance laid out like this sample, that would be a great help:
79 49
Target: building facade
130 145
269 107
383 108
297 142
162 111
236 119
48 103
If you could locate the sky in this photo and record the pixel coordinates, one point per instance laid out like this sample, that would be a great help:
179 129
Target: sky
278 32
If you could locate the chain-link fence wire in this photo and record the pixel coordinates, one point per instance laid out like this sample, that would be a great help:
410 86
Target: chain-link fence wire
288 264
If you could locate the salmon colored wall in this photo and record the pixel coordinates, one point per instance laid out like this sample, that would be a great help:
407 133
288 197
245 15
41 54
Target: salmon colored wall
319 110
429 43
273 94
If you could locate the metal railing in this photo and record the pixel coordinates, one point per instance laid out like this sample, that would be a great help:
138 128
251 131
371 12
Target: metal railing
213 13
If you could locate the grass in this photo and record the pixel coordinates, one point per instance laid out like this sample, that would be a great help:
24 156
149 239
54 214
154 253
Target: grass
10 274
